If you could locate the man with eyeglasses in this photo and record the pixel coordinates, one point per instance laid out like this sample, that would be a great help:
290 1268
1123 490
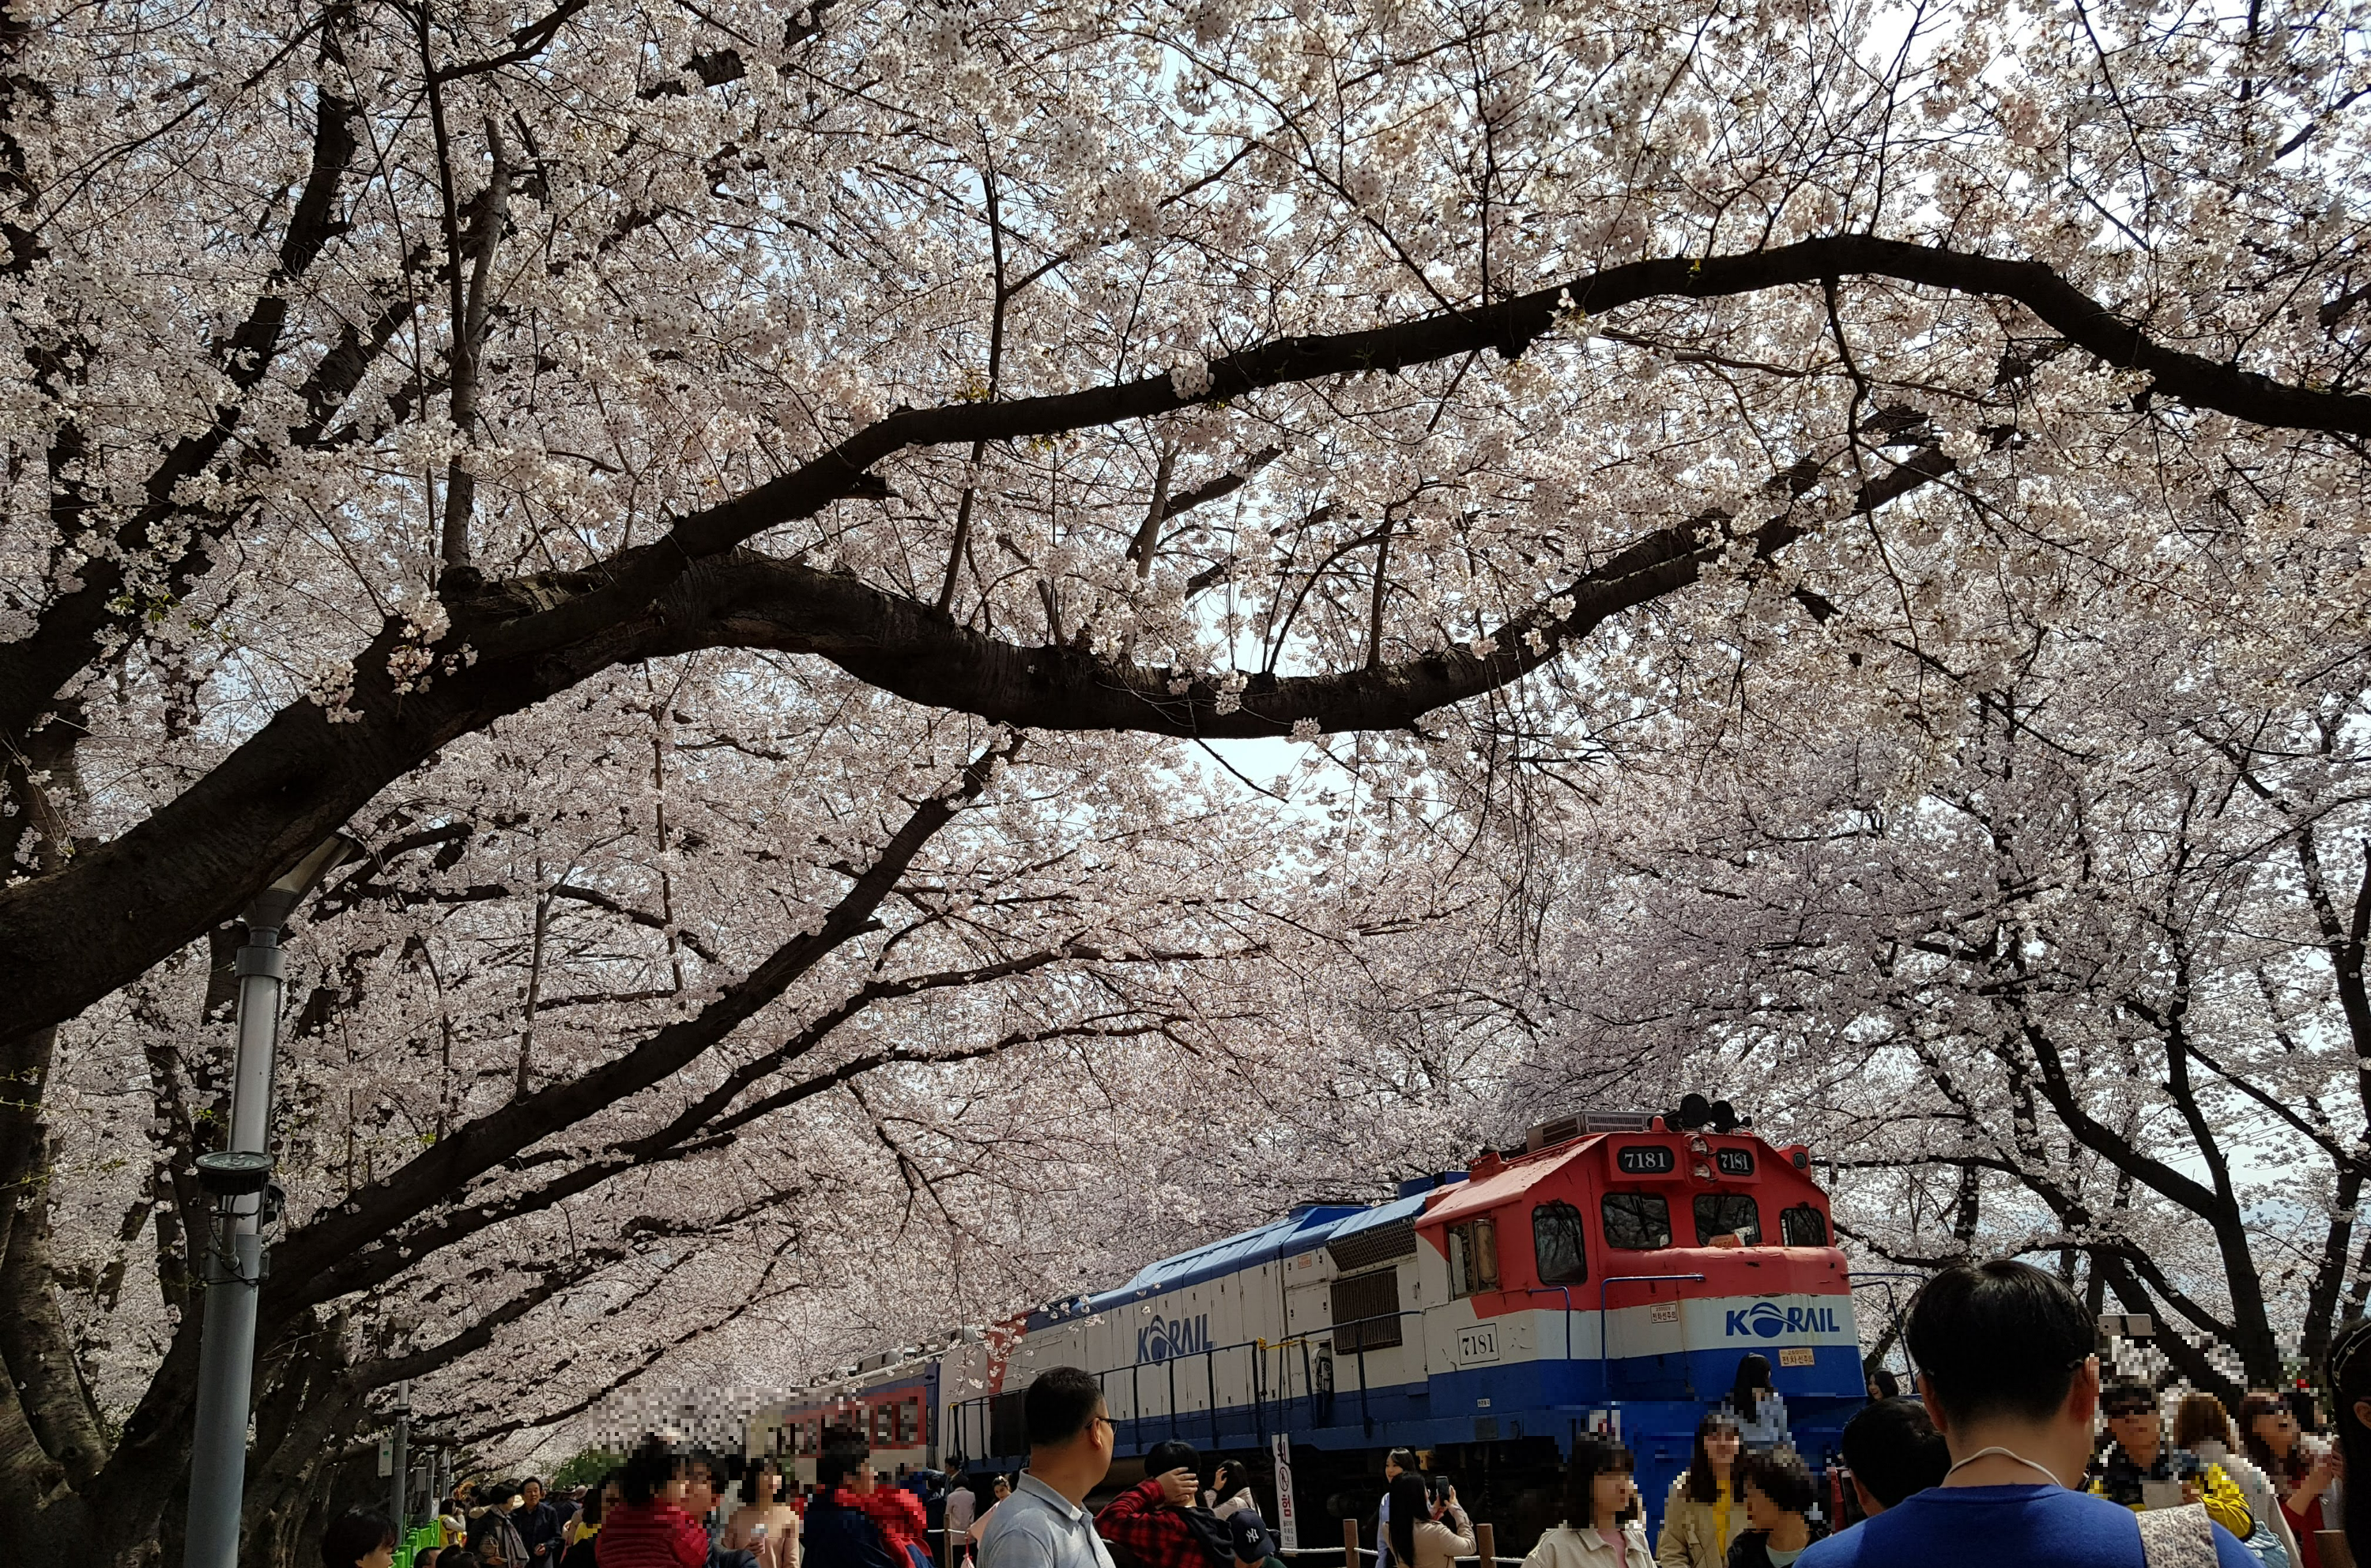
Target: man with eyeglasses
1045 1523
2142 1472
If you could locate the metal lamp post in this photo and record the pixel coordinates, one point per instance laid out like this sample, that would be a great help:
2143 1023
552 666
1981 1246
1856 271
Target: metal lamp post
403 1457
236 1177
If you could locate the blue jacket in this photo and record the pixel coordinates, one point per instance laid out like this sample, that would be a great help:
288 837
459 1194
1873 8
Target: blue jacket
835 1537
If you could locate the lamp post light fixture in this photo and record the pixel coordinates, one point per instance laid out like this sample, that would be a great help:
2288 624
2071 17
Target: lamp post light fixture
238 1179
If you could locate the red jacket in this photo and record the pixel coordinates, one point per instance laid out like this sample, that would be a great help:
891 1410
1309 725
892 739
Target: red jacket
897 1513
657 1536
1155 1533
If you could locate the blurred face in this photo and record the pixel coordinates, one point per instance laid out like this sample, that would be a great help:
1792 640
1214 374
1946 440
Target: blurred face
1721 1444
1760 1514
378 1557
767 1484
533 1493
2133 1424
1611 1491
1003 1489
2278 1429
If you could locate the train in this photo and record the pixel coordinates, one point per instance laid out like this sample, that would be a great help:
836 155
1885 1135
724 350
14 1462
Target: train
1607 1276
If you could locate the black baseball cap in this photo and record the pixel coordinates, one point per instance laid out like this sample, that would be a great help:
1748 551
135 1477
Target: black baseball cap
1252 1541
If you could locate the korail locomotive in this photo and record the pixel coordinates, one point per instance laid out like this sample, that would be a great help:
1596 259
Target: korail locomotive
1610 1276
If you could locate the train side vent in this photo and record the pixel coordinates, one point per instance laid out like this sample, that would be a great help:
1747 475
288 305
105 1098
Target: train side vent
1564 1129
1384 1244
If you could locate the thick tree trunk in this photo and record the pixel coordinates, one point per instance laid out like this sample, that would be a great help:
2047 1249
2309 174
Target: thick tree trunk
39 1354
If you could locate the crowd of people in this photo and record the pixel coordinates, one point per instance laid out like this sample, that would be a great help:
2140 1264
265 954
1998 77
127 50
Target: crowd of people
2015 1449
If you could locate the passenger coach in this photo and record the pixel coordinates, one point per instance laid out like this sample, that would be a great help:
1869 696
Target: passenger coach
1608 1277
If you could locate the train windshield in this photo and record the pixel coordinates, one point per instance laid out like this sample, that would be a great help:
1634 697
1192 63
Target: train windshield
1637 1222
1727 1214
1803 1227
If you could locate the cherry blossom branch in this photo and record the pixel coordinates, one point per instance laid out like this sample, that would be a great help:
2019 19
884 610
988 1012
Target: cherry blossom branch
302 774
298 779
311 1253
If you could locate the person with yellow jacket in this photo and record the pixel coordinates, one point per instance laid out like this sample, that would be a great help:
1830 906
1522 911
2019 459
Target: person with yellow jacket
2141 1470
1703 1516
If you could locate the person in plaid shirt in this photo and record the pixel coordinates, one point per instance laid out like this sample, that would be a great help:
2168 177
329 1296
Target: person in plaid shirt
1147 1523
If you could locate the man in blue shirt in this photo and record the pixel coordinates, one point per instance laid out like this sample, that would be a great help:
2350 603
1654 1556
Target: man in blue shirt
2007 1372
1045 1523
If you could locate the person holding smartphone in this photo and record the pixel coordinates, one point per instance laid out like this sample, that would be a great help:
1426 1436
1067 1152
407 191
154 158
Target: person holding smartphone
1428 1529
2142 1470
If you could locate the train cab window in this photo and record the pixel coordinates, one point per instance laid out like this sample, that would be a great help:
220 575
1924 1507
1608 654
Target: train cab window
1724 1214
1473 1257
1556 1244
1637 1222
1803 1227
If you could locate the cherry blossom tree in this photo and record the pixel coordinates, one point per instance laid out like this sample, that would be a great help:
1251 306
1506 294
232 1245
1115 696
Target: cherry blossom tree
751 520
2044 929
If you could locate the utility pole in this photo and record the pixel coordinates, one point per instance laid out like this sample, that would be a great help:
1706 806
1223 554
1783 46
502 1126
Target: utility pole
238 1179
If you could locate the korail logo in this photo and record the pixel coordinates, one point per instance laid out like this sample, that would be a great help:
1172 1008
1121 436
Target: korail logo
1165 1337
1767 1320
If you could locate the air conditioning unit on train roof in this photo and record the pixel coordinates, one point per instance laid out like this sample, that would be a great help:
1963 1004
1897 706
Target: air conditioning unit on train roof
1581 1124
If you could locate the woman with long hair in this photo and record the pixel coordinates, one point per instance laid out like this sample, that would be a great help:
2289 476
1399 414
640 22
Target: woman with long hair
2303 1469
1600 1527
1230 1490
1754 1398
1700 1515
1426 1532
2202 1426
